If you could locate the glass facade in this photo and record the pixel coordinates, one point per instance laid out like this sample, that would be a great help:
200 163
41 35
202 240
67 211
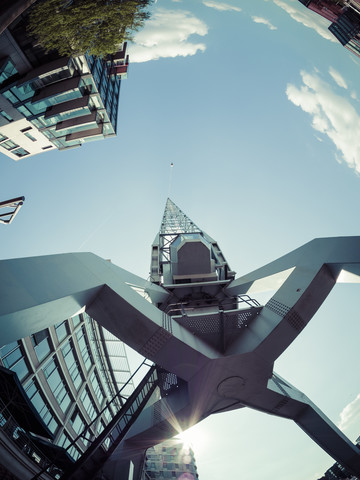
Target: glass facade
347 30
63 376
171 459
43 102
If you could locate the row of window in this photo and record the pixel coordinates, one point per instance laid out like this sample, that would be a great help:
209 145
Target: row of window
167 474
8 144
108 86
13 147
12 356
170 466
22 97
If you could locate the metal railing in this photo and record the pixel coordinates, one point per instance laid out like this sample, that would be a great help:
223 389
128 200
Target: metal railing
86 435
102 447
23 442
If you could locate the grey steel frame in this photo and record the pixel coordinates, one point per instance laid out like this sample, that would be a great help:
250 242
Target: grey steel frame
11 208
40 291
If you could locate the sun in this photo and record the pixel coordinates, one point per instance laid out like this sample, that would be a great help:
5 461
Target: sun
193 438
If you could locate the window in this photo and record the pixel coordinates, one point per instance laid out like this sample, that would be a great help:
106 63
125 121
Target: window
100 427
9 144
24 110
57 385
61 330
64 441
41 344
37 399
72 365
78 424
10 96
95 383
20 152
28 135
24 92
48 134
6 116
36 122
88 403
84 348
76 320
47 147
13 358
7 70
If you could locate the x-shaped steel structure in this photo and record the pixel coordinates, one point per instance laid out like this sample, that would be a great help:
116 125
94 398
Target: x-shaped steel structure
194 319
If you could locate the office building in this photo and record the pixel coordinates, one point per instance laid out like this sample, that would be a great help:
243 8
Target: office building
50 102
170 459
326 8
69 373
347 30
345 18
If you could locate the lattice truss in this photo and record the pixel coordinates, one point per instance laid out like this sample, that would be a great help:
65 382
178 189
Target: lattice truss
174 222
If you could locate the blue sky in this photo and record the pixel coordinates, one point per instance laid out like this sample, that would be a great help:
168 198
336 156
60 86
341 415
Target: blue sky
258 109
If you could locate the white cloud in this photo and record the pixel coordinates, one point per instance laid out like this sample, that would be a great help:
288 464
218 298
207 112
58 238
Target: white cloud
338 78
332 115
349 414
264 21
167 34
354 95
308 18
221 6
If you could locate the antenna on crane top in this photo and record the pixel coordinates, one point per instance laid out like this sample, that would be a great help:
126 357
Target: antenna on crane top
170 178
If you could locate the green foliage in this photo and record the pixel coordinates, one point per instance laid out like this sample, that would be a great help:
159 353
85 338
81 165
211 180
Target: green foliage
77 26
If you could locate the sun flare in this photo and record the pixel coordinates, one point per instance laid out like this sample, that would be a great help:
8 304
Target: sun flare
193 438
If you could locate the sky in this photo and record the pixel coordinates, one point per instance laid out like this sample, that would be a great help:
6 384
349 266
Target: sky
257 107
